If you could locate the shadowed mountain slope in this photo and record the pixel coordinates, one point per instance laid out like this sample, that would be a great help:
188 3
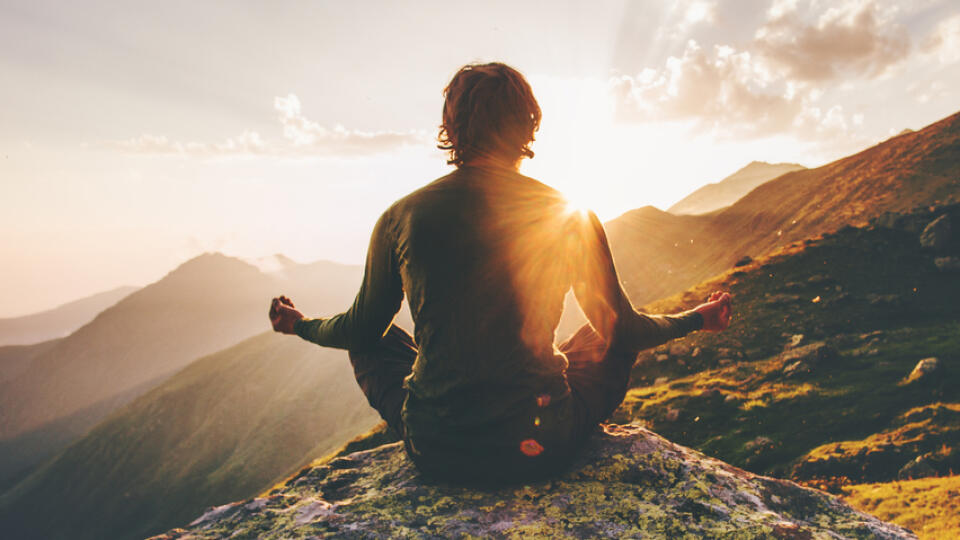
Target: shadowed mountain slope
226 427
659 254
206 304
727 191
59 321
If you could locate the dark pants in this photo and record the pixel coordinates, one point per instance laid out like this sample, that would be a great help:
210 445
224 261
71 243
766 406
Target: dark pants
597 376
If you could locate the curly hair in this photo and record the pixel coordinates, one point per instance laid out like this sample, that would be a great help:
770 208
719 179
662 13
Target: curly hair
488 110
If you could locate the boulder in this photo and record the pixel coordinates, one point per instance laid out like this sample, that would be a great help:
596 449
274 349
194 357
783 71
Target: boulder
628 483
813 353
917 468
947 264
679 349
937 235
923 369
743 261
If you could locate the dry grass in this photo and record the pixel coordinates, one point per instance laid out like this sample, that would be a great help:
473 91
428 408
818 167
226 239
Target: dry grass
928 506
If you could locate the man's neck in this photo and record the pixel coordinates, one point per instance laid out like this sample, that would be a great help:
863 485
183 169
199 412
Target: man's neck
492 162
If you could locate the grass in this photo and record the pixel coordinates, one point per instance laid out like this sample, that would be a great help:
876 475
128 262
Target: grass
928 506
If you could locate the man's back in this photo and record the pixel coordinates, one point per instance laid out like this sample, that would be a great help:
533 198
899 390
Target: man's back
484 264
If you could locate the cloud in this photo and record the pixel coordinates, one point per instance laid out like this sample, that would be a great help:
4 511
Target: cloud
309 137
774 83
727 92
944 41
300 137
855 37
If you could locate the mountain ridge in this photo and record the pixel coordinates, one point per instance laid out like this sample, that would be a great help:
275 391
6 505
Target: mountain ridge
717 195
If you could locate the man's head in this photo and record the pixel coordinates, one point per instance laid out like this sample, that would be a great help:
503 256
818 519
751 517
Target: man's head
489 113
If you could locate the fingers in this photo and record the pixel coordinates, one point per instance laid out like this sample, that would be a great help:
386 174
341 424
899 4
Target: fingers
287 301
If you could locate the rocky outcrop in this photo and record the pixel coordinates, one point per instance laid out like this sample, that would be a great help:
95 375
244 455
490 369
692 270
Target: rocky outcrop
937 235
923 369
629 483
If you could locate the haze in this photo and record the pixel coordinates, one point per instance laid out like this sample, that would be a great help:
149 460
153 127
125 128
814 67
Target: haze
135 136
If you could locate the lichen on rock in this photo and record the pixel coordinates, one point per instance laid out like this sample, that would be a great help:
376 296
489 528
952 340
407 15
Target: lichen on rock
628 483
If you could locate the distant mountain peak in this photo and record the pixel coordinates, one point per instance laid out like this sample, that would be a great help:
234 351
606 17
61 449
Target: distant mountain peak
213 261
272 263
717 195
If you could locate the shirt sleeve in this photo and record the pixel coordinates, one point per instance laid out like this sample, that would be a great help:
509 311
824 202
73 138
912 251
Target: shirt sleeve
375 306
605 303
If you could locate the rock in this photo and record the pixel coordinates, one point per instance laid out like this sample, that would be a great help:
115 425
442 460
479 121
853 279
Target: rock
797 368
795 340
812 354
947 264
696 352
819 278
758 443
792 286
661 380
923 369
937 234
672 414
679 349
663 357
743 261
916 468
628 483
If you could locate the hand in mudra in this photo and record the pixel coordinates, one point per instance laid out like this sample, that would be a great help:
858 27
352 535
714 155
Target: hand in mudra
716 312
283 315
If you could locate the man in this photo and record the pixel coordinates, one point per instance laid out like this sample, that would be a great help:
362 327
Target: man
485 256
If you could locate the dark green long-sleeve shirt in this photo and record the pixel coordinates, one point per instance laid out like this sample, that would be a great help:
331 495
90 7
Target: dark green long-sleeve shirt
485 258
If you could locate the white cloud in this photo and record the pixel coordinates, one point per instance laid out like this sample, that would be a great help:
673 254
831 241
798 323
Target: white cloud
727 92
301 137
854 37
309 137
944 41
776 83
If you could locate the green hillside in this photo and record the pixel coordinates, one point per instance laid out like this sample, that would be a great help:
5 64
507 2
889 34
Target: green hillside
224 428
865 304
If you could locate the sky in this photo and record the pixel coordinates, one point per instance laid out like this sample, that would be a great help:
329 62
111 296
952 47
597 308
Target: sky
136 135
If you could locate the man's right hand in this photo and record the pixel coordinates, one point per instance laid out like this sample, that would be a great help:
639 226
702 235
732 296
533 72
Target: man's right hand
716 312
283 316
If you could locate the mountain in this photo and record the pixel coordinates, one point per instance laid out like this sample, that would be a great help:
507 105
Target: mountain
838 368
726 192
225 427
59 321
659 254
15 359
629 483
205 305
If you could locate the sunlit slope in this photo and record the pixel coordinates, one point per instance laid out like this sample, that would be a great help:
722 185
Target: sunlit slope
727 191
928 506
59 321
224 428
205 305
863 306
659 254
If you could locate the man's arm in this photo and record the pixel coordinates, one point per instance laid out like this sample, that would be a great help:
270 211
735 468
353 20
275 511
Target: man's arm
373 310
603 300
